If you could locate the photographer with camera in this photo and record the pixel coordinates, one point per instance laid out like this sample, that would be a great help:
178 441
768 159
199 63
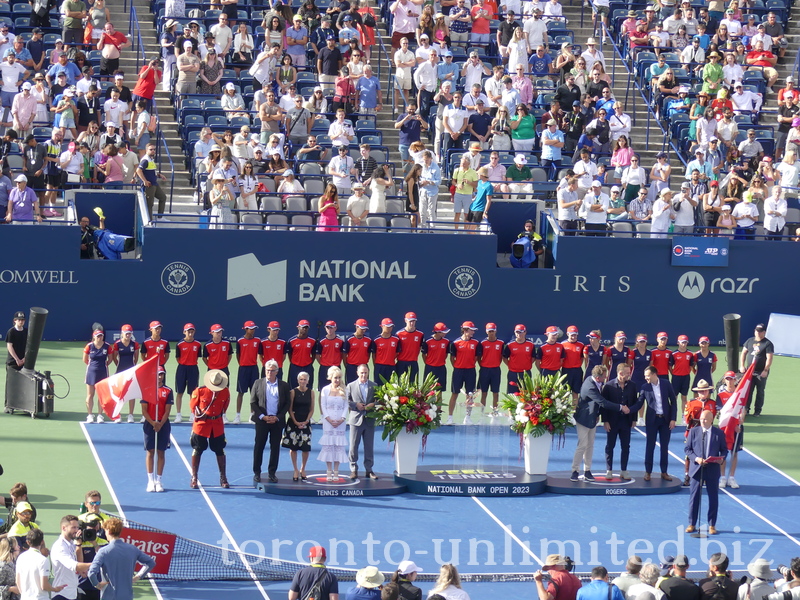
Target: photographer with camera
90 543
150 76
789 589
65 559
555 580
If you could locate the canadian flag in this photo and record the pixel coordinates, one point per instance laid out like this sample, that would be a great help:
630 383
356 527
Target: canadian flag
139 382
731 414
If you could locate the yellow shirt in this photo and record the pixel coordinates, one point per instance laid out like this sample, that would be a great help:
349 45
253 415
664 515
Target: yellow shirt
465 181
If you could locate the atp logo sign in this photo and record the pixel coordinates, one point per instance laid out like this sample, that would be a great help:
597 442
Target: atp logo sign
692 285
248 277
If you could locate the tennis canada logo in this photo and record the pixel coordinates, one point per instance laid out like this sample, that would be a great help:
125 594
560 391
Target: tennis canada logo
464 282
177 278
691 285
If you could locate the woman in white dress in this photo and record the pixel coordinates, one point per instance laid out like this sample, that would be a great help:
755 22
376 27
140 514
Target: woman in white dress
334 442
380 180
518 50
659 177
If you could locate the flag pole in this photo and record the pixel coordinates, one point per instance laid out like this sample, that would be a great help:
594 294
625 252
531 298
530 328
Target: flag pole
155 452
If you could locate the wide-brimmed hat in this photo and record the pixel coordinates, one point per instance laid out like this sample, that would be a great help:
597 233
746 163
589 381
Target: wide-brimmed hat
703 386
554 559
369 577
760 568
215 380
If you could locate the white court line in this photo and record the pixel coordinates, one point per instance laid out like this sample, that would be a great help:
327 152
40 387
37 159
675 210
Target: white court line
224 527
120 512
773 467
740 502
510 533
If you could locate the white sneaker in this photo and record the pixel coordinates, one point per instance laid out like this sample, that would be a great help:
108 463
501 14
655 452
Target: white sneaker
468 420
130 419
449 420
159 487
237 420
142 420
225 419
90 418
151 486
178 418
609 475
640 422
117 420
723 482
101 418
732 483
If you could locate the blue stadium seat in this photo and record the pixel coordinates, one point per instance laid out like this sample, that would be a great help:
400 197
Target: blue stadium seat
217 121
188 120
212 103
238 122
372 140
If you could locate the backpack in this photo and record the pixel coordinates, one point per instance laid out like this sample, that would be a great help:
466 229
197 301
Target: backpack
719 592
152 126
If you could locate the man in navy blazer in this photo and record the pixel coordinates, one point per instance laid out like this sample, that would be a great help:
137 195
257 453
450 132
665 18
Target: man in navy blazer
705 442
662 412
586 416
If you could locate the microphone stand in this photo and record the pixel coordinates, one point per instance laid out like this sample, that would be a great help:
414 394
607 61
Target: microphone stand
700 533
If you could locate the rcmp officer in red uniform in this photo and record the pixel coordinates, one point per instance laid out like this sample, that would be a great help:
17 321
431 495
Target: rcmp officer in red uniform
208 404
410 347
356 351
157 431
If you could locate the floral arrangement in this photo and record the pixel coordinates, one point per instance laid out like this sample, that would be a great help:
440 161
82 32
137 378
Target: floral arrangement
541 405
402 404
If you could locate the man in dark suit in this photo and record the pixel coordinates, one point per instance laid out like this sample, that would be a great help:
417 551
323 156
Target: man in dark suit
705 447
586 415
269 402
360 396
622 392
662 412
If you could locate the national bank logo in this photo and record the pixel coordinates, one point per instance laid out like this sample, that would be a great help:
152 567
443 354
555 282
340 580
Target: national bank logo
464 282
691 285
248 277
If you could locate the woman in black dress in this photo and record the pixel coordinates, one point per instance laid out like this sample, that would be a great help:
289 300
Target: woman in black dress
412 193
297 435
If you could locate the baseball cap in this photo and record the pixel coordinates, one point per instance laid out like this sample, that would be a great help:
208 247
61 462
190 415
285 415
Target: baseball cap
154 324
249 325
161 370
21 177
274 325
730 375
572 329
615 188
330 324
621 336
520 159
362 324
662 335
387 323
411 316
704 339
303 323
469 325
592 336
440 328
230 86
407 567
97 332
189 326
683 338
317 552
216 327
21 507
491 327
597 183
520 327
641 338
27 85
551 329
125 328
761 327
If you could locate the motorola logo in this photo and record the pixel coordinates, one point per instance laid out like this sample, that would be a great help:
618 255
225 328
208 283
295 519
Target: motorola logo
691 285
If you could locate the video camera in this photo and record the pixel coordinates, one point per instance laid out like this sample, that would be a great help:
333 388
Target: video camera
89 530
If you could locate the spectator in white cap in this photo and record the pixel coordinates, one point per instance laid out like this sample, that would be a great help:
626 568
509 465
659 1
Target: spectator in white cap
23 205
519 178
596 205
23 109
662 214
404 578
683 207
188 67
232 102
744 101
616 206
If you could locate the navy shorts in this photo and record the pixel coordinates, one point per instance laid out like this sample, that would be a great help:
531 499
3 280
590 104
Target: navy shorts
246 377
680 384
350 373
574 378
464 378
150 437
547 372
440 373
403 366
489 380
201 444
187 378
738 443
384 371
514 376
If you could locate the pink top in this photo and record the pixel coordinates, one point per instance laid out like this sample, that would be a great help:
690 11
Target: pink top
114 168
524 86
622 157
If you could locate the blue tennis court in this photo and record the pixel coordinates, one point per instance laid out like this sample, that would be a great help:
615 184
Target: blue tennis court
479 535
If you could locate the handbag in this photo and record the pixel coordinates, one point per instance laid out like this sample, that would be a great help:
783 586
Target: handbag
73 178
369 20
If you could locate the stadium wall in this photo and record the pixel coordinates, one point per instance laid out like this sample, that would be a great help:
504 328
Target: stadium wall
227 277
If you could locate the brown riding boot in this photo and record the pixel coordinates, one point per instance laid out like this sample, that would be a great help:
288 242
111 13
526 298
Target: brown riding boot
223 480
195 468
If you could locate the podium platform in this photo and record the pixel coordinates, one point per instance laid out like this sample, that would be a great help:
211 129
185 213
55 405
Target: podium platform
444 480
318 486
558 482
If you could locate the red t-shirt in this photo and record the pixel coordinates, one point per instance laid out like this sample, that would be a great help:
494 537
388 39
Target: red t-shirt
273 350
551 356
573 355
682 362
520 356
464 353
301 351
150 348
357 349
660 360
247 351
410 345
384 350
435 351
329 351
491 353
480 24
187 353
146 86
163 397
218 354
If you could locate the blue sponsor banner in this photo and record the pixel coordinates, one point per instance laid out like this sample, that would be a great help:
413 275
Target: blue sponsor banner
690 251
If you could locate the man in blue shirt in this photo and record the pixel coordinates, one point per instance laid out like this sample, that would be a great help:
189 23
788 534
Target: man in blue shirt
23 55
541 62
599 588
347 33
411 126
320 35
552 143
114 565
447 70
63 65
296 40
699 164
369 90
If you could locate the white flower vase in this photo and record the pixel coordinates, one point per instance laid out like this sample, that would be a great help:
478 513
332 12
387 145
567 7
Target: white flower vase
537 453
406 452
